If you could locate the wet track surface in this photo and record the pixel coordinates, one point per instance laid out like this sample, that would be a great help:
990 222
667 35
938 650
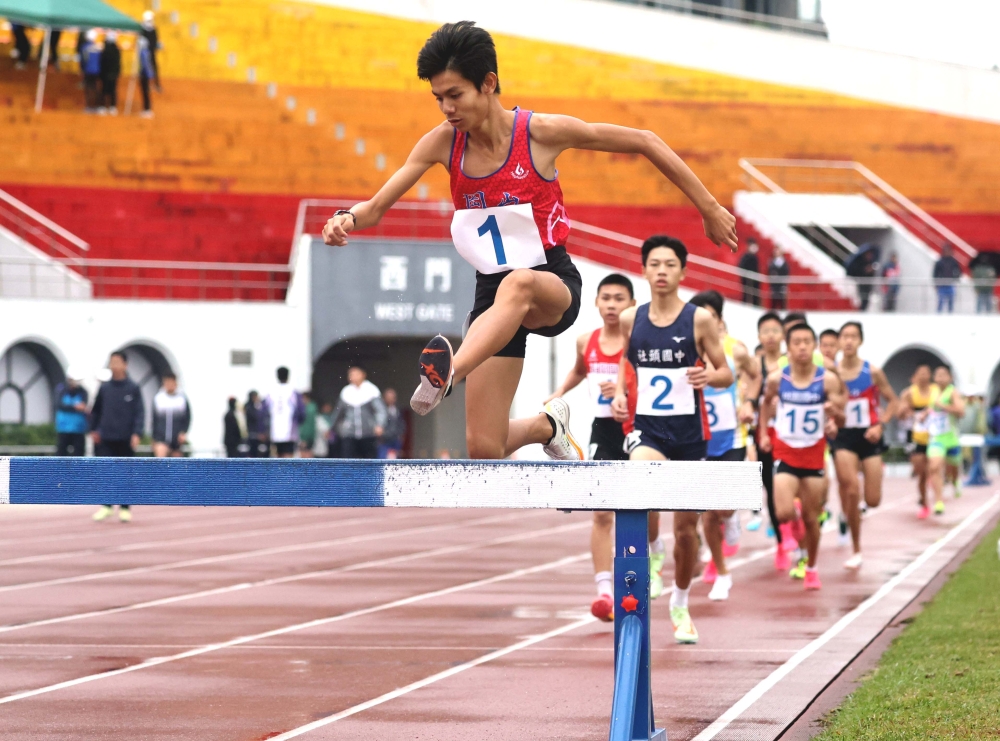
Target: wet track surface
243 624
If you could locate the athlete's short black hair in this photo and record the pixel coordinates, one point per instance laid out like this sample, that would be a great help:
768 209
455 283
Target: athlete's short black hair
830 333
943 365
709 298
616 279
462 47
282 374
662 240
769 316
800 327
168 377
794 317
121 354
853 323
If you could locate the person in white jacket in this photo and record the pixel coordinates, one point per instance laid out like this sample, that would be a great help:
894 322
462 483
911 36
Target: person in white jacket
286 411
359 417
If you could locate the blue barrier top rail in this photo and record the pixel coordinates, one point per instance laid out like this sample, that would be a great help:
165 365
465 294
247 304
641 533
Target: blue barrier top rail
594 485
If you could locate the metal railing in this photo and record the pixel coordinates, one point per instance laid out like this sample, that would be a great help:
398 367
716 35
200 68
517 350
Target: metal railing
735 15
37 230
845 176
22 277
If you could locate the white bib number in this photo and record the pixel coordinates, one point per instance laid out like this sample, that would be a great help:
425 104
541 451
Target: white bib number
721 410
664 392
800 425
496 240
602 405
920 425
858 413
937 423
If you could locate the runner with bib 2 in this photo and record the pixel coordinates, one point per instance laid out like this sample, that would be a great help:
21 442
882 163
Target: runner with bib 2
668 342
511 225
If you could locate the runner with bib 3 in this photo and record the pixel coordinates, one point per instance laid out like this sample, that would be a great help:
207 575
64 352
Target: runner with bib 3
511 225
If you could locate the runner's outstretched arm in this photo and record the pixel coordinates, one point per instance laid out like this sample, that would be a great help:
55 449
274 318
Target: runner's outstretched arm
710 347
433 148
556 133
749 369
577 373
619 405
768 408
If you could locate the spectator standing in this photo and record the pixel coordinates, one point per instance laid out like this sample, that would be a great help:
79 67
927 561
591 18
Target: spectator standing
993 423
232 435
751 263
71 415
153 43
984 278
111 70
147 72
117 421
947 271
391 442
22 45
307 430
90 65
258 426
321 445
171 419
54 47
863 267
286 412
890 276
359 417
778 268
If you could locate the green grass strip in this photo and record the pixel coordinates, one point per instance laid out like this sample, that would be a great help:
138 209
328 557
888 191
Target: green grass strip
940 679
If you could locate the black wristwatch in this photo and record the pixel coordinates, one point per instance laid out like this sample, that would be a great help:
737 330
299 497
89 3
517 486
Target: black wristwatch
349 213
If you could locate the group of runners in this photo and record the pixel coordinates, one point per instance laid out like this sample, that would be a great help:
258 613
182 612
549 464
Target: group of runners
668 382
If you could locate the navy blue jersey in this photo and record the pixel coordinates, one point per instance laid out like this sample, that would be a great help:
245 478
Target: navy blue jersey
666 405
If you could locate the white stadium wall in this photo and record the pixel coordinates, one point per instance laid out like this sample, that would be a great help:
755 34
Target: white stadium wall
726 48
195 338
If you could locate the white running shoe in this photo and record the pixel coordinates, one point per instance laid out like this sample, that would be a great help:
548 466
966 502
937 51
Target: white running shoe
720 590
436 375
562 446
853 563
732 529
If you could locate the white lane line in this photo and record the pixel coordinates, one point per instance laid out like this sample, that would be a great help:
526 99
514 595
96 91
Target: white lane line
358 647
389 561
433 679
158 661
274 550
785 669
148 544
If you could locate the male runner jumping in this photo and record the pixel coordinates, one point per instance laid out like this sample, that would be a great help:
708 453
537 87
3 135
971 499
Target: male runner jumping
805 402
858 446
912 402
728 416
944 452
598 357
511 225
668 342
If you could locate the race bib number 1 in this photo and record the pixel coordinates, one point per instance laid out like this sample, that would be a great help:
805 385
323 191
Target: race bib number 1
664 392
858 414
496 240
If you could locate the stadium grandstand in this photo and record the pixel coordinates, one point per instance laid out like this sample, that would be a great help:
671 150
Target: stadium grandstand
181 222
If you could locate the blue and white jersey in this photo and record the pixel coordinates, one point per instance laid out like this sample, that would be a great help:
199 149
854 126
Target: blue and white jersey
667 406
721 406
800 440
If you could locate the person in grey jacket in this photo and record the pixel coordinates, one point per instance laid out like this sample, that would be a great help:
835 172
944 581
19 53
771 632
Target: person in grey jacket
117 420
171 419
359 417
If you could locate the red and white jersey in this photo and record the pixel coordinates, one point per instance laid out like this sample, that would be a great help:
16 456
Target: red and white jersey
863 401
799 438
517 182
601 368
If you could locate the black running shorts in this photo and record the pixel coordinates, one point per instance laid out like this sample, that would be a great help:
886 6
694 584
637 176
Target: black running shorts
801 473
853 439
559 264
607 440
734 454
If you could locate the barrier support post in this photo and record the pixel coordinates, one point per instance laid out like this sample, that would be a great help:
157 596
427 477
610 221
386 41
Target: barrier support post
632 707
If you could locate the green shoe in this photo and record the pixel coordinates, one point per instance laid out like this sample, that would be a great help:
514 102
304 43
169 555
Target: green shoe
684 630
655 578
958 490
799 570
939 508
103 513
824 516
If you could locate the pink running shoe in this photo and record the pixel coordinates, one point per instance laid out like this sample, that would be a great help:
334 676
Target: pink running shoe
603 608
924 513
730 550
782 562
812 579
710 572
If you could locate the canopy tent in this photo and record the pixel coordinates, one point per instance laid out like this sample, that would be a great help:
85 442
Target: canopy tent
51 14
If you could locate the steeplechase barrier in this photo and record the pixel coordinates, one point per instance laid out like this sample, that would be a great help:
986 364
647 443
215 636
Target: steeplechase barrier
631 489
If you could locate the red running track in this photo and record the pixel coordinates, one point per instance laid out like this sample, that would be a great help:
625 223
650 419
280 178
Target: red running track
240 624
